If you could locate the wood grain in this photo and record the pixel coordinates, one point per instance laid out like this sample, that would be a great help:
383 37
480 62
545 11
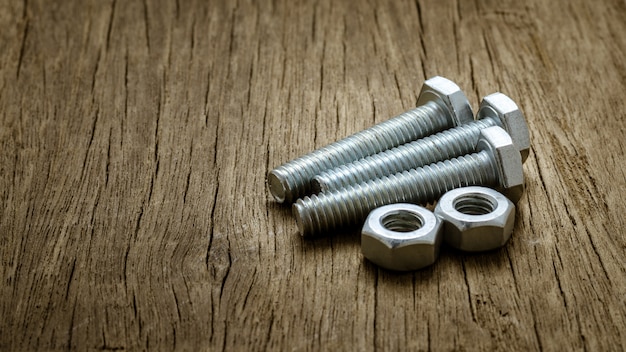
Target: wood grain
135 137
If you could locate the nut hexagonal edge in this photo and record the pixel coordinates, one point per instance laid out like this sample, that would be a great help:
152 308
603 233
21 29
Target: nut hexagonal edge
475 233
401 251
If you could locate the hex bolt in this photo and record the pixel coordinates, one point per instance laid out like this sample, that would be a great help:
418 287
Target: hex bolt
497 163
442 105
495 110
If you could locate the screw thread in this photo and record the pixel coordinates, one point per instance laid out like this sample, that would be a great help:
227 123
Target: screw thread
350 205
444 145
293 179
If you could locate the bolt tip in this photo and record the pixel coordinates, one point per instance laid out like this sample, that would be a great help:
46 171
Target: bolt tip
277 186
318 186
299 214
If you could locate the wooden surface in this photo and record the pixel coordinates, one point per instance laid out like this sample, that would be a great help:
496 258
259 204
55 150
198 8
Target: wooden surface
135 137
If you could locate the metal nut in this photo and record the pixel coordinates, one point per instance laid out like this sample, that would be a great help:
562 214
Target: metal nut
401 237
476 218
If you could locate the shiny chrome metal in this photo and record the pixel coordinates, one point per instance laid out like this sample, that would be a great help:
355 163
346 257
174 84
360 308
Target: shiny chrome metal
496 110
442 105
476 218
497 163
401 237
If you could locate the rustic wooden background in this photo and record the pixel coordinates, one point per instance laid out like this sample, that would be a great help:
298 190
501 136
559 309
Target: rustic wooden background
135 137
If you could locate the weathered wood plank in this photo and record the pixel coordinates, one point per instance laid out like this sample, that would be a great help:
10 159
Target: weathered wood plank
135 137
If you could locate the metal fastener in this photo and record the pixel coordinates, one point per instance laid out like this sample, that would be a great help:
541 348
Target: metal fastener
401 237
476 218
442 105
498 163
495 110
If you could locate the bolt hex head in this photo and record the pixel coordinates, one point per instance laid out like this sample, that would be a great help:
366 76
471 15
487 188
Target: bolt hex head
508 160
502 108
401 237
449 96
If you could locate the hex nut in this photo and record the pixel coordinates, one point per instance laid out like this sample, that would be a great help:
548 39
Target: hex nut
401 237
476 218
504 109
448 95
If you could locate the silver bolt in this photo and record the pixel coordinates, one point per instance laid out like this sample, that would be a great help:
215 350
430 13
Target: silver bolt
495 110
442 105
498 163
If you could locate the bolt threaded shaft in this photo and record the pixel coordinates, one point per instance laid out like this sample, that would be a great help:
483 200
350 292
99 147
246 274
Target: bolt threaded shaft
350 205
444 145
293 179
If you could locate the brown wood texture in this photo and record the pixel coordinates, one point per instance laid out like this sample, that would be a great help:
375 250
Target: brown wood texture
135 137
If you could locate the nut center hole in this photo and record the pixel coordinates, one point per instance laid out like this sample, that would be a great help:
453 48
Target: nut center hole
475 204
402 221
